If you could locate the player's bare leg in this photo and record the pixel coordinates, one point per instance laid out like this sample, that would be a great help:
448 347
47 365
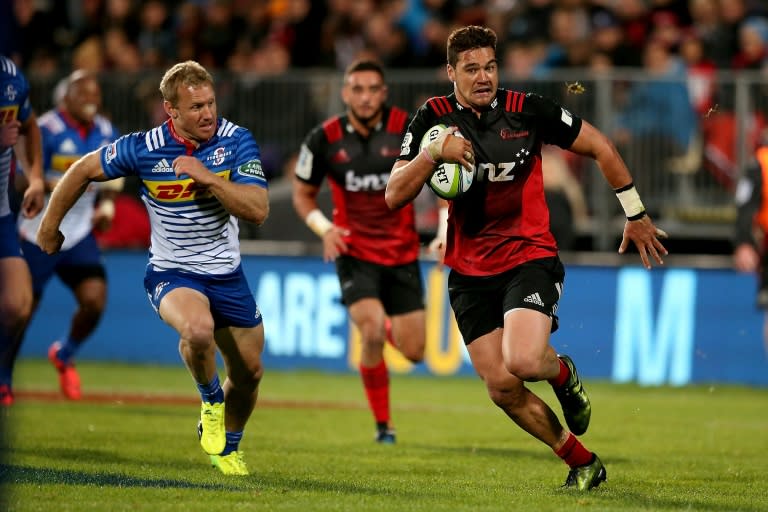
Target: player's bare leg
241 349
15 310
188 312
508 392
528 411
529 356
368 316
409 333
91 296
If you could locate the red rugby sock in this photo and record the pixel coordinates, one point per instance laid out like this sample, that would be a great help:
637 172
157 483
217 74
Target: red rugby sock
376 384
573 452
562 377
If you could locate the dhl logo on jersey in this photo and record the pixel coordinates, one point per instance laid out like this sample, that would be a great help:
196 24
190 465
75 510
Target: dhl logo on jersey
60 163
179 190
8 114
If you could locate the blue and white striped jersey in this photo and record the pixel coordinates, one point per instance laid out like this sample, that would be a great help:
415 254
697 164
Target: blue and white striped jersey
191 230
14 104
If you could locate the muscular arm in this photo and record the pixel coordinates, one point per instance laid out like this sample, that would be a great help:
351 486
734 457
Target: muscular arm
67 192
304 197
244 201
406 181
642 232
594 144
247 202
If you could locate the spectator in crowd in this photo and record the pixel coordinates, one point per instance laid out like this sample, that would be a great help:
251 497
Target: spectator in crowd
201 173
724 42
211 30
608 37
568 30
565 198
16 118
701 71
386 41
375 251
122 15
71 130
217 39
753 44
751 254
121 55
506 277
89 55
34 33
645 134
155 39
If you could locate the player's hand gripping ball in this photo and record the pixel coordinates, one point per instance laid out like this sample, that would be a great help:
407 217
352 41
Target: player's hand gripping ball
449 179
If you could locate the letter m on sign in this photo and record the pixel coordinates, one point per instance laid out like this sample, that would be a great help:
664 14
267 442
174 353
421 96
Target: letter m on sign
654 352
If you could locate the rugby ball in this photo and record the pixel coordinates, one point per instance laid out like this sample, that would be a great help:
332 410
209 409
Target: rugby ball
449 180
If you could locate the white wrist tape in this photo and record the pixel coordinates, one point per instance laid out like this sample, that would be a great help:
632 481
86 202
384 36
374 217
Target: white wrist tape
630 202
435 148
442 223
318 222
427 156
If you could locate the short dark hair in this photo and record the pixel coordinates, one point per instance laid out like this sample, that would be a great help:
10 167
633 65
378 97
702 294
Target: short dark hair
469 38
364 65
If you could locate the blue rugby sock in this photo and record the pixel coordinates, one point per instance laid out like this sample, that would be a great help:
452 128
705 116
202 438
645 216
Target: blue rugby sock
68 349
233 442
211 392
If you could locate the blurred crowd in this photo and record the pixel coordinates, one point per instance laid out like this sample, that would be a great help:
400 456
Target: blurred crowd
271 36
685 47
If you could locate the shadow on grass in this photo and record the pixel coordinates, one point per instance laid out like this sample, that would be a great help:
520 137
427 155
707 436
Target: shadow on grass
15 475
12 474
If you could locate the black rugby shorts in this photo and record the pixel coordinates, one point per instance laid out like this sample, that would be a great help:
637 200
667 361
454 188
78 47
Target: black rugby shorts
479 303
398 287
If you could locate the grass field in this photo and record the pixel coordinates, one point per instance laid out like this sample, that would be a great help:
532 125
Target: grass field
310 447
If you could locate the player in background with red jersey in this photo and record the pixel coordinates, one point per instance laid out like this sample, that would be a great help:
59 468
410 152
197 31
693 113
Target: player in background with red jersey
506 277
375 249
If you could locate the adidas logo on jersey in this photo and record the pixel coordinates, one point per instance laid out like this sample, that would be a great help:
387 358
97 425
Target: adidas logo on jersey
534 298
162 166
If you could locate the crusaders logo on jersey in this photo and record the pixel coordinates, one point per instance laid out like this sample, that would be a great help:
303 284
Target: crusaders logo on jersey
507 134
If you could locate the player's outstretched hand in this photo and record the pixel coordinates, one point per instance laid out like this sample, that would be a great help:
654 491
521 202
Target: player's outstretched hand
646 237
